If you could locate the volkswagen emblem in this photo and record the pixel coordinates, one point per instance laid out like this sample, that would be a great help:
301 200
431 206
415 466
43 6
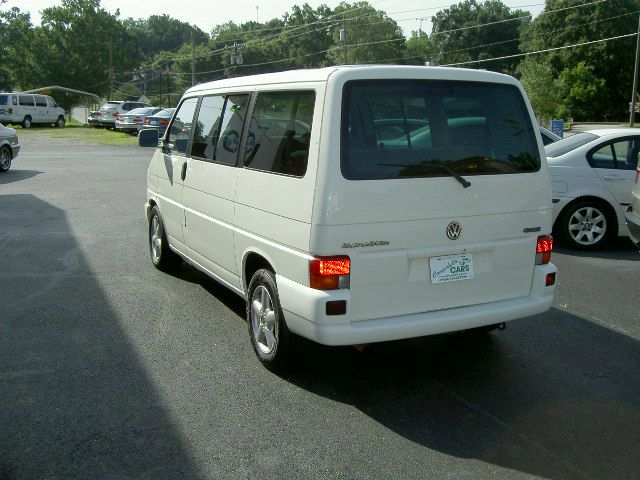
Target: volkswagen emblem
454 230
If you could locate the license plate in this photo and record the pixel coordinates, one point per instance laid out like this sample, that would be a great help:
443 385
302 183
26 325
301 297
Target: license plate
153 122
451 268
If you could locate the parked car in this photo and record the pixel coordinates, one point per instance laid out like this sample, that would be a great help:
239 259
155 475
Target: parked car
133 121
633 212
278 187
592 175
106 116
9 147
159 121
548 136
29 109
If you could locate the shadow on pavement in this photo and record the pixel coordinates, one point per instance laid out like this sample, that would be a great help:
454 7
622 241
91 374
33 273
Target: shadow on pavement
569 407
12 175
75 400
621 248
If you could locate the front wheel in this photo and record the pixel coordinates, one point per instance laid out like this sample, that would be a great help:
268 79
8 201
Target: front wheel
586 225
271 339
161 255
5 159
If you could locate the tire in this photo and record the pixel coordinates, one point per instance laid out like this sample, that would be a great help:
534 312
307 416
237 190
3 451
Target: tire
60 122
587 225
26 122
5 158
162 257
270 338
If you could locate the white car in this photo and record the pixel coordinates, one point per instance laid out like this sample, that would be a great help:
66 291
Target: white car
9 147
106 116
297 191
592 175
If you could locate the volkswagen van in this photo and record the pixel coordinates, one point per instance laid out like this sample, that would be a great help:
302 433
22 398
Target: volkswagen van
357 204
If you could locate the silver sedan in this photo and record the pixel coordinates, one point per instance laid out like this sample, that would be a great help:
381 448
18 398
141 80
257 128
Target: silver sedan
9 147
133 121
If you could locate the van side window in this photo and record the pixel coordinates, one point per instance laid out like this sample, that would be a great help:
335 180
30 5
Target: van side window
15 100
26 100
180 129
279 132
205 134
40 101
235 109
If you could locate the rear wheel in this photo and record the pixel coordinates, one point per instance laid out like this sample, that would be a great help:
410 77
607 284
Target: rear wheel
60 122
5 158
586 225
26 122
271 339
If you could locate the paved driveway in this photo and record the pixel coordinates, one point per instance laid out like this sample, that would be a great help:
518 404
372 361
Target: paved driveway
110 369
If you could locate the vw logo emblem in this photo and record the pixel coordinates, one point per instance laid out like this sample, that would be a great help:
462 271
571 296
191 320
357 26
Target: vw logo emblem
454 230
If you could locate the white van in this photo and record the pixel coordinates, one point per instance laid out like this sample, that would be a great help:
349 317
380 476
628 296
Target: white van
357 204
27 109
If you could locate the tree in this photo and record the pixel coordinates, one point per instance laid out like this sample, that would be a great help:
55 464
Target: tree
15 38
419 49
542 88
607 67
457 38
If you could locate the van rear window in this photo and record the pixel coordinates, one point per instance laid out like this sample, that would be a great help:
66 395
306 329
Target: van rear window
4 99
421 128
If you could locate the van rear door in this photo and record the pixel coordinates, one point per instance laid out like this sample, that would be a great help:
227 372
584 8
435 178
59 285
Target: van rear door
440 196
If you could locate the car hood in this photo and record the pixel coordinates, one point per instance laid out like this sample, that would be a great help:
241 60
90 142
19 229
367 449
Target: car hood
6 131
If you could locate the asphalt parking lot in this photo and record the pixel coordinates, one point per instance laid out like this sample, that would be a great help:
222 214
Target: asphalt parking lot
110 369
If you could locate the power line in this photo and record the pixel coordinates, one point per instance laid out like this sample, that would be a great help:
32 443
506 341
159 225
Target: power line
540 51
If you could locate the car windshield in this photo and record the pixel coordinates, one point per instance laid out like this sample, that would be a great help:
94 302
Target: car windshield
167 112
142 111
420 128
109 106
565 145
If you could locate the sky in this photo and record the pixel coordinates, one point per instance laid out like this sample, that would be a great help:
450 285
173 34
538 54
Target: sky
207 13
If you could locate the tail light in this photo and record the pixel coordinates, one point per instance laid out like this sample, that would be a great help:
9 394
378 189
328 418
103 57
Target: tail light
164 123
11 111
543 249
329 273
117 115
146 121
137 120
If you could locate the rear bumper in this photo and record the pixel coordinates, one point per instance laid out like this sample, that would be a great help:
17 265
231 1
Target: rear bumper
127 127
633 223
100 123
304 311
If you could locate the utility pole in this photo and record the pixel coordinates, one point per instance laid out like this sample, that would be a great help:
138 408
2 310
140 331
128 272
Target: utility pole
193 60
110 73
634 93
257 7
343 39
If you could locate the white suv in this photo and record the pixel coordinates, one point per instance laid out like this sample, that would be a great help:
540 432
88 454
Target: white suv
27 109
106 116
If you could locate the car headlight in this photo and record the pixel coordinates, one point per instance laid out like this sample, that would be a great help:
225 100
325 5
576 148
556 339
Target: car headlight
13 140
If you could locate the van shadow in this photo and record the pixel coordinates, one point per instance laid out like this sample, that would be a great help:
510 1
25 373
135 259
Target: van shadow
12 175
555 396
75 399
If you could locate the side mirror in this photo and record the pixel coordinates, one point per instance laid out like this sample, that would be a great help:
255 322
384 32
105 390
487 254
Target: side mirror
148 137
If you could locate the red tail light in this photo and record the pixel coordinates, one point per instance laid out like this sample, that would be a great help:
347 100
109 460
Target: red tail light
544 248
117 115
164 123
11 111
329 273
146 121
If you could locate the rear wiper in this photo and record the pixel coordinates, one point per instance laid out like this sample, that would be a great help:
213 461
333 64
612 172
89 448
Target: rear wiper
465 183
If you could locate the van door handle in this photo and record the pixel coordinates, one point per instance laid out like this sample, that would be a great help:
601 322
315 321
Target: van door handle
613 177
183 174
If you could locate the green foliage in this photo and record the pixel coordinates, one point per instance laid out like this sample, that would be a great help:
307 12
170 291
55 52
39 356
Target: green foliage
542 88
419 49
455 39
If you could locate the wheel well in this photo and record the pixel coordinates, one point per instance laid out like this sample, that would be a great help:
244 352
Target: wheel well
610 210
252 264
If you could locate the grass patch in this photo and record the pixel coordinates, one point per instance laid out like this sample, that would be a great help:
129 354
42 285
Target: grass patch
76 132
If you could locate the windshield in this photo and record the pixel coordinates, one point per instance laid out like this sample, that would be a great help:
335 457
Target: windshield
567 144
165 113
109 106
414 128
